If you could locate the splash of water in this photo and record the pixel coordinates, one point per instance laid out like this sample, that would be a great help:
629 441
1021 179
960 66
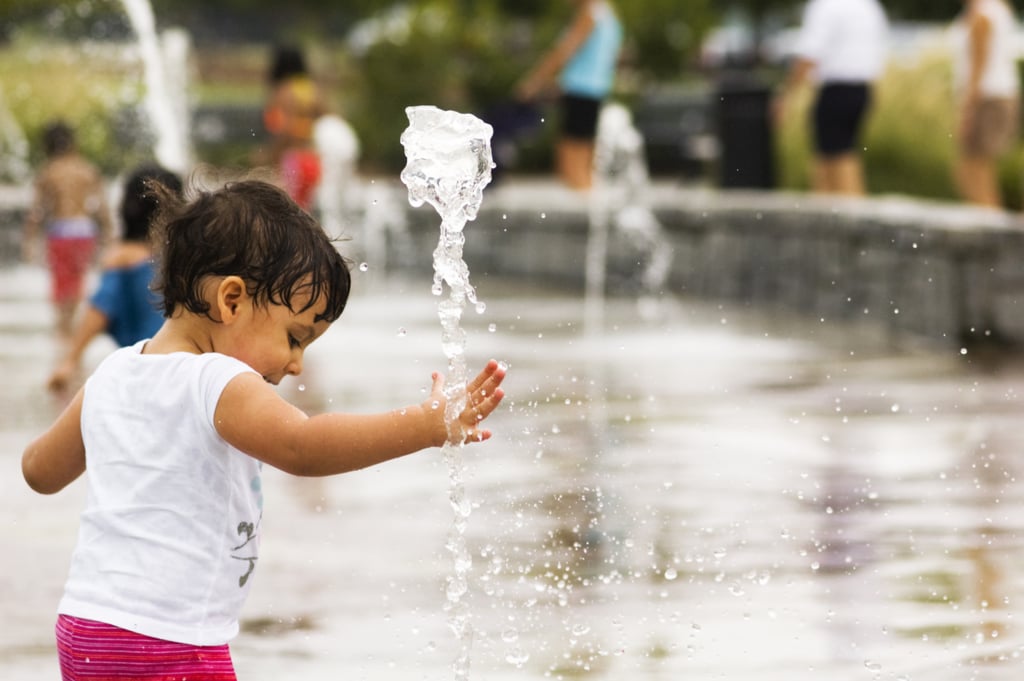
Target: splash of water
620 201
448 164
14 165
165 87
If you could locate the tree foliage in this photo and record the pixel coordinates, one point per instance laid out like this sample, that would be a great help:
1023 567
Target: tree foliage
900 10
462 54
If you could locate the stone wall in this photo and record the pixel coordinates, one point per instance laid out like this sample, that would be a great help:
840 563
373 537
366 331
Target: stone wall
938 272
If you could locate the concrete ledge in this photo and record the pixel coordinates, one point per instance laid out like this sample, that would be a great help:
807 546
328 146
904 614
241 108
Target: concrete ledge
939 272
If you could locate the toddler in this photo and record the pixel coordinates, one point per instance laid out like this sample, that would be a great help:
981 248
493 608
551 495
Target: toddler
172 433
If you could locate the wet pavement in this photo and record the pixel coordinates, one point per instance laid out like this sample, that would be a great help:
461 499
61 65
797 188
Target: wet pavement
683 491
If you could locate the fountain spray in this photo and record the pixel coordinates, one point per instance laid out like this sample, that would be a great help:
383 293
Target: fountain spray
448 165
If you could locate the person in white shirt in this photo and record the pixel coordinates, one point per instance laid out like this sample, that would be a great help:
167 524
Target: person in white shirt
173 431
988 96
842 47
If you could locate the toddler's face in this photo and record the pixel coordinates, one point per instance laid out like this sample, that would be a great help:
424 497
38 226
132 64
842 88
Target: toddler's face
272 339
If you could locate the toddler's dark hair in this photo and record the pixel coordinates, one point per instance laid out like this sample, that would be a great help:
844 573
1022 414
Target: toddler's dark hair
251 229
139 203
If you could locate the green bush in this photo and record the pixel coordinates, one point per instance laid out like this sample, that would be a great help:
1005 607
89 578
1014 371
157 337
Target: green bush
48 84
465 63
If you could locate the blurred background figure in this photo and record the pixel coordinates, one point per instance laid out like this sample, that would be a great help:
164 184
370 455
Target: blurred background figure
293 106
70 202
584 61
988 96
123 305
842 47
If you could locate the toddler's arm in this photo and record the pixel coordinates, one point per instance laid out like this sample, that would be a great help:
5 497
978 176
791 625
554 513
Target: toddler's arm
57 457
254 418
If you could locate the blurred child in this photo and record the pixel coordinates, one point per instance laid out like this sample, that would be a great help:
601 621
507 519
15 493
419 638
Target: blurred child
293 107
172 433
123 306
70 203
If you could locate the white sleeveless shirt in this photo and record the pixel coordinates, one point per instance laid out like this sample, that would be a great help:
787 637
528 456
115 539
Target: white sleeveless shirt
999 79
170 533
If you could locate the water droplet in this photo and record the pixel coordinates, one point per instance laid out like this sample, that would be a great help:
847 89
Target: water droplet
401 332
580 630
671 574
364 266
517 657
481 306
492 327
510 636
435 404
302 387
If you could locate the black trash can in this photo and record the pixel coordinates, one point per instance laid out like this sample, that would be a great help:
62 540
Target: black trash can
679 138
743 122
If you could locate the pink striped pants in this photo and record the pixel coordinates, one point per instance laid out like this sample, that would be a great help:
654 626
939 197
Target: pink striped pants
93 651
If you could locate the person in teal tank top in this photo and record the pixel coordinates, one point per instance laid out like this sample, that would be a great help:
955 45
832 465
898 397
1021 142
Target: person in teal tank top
583 62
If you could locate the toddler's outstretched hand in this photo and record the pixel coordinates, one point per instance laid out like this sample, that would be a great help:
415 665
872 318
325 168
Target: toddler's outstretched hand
483 395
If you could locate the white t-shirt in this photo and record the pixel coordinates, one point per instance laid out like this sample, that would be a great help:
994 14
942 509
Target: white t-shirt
846 40
999 79
170 533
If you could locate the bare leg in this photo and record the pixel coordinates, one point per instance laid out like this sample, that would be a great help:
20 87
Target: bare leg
848 174
978 180
575 163
821 181
65 318
841 174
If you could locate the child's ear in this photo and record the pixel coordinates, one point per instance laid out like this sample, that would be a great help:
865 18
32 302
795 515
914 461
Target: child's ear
231 293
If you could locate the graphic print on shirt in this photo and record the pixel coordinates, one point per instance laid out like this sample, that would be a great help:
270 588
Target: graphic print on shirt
249 548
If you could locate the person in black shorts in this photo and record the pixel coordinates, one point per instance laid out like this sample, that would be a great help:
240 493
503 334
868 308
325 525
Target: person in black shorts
582 63
839 114
842 46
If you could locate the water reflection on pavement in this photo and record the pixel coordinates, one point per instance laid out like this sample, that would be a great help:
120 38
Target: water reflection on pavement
704 493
